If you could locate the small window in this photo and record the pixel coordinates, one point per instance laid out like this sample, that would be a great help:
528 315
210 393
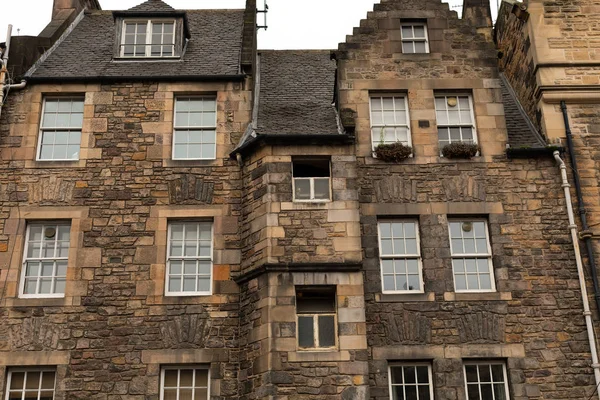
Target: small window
60 131
471 256
312 180
189 260
31 384
486 380
411 382
390 122
195 129
148 39
414 38
317 321
185 383
45 260
400 256
455 119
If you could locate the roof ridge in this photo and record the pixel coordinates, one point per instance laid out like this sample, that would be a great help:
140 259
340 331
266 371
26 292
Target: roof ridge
152 5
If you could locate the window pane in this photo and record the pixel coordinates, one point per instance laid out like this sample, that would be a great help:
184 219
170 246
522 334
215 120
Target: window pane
185 394
201 378
306 332
424 393
326 331
170 394
186 377
411 392
201 394
17 380
322 189
497 373
473 392
461 282
419 31
407 32
420 47
32 380
302 189
397 375
174 284
500 392
410 374
486 391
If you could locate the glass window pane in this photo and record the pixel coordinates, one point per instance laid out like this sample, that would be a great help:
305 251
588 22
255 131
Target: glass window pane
174 284
32 380
413 282
422 374
32 269
186 377
461 282
185 394
472 282
326 331
411 392
397 375
500 392
467 134
201 378
471 372
408 48
385 229
189 267
189 284
410 374
47 268
208 151
59 286
17 380
420 47
45 286
180 151
486 391
424 393
485 373
419 31
457 246
170 394
302 189
485 281
389 282
497 373
322 188
306 332
473 392
407 32
204 284
470 265
201 394
175 267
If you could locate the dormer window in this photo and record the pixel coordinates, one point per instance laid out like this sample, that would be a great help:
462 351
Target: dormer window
148 38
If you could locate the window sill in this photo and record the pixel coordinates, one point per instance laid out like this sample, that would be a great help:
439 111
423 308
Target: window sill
55 164
403 297
318 356
171 58
38 302
170 163
478 296
417 56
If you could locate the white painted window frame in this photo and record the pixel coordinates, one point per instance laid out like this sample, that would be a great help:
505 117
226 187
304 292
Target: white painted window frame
26 371
43 129
488 363
189 258
472 125
199 128
381 96
148 44
22 293
413 40
315 317
462 256
416 256
165 368
312 187
406 364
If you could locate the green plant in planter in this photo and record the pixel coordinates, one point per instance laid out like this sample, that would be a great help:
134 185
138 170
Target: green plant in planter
460 150
393 152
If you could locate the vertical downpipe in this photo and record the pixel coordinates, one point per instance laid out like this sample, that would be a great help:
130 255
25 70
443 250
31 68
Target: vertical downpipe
3 67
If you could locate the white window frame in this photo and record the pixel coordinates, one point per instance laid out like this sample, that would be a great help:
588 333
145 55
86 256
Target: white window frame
406 364
148 44
22 293
488 363
312 187
413 40
463 256
10 371
416 256
43 129
472 125
315 317
199 128
394 96
165 368
184 258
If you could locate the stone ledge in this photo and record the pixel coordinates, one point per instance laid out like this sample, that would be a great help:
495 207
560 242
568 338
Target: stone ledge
400 298
39 302
318 356
34 358
468 350
184 356
493 296
33 164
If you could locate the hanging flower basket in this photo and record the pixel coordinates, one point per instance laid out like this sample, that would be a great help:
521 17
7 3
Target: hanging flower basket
394 152
460 150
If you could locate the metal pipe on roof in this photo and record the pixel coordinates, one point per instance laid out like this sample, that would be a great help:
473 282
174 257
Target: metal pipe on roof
3 67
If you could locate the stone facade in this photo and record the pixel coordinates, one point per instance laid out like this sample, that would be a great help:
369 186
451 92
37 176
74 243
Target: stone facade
114 329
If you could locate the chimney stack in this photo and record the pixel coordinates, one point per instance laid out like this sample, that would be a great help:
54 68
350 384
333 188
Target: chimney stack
62 7
479 15
249 39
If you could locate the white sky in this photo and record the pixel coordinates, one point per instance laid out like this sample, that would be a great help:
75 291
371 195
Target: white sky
306 24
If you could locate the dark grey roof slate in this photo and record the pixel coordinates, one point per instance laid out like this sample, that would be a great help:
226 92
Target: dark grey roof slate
87 52
296 93
152 6
521 131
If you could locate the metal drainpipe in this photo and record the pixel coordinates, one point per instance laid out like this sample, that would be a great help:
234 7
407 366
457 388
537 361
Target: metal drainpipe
4 65
585 234
587 314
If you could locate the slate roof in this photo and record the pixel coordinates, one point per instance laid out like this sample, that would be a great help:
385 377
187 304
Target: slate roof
521 131
153 6
87 52
296 93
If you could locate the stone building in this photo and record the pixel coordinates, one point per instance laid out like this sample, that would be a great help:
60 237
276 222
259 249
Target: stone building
186 217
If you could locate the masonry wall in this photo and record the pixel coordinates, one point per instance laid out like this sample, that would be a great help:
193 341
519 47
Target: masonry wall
528 322
115 327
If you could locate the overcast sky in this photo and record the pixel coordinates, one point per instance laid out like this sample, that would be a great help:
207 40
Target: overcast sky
306 24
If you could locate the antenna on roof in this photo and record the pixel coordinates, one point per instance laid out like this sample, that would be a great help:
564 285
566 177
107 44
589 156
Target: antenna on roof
264 11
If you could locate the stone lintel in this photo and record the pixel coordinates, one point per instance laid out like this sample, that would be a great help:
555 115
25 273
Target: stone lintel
450 208
34 358
297 267
468 350
183 356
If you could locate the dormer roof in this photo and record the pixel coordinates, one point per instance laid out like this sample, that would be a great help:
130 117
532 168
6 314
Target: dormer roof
152 6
